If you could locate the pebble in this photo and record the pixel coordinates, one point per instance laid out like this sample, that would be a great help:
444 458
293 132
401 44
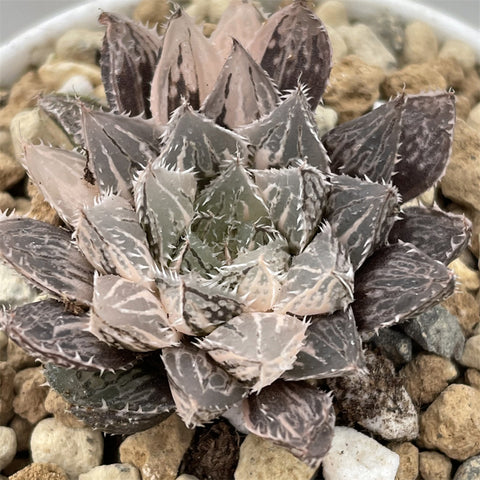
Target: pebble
332 13
58 406
450 69
462 106
23 430
76 450
158 451
186 476
41 471
461 51
339 47
326 118
18 358
53 74
3 340
468 278
437 331
472 378
421 44
79 45
451 423
434 466
471 353
352 74
207 10
77 85
31 392
11 172
464 306
362 42
8 446
7 393
468 470
115 471
473 119
260 459
426 376
390 29
394 345
152 12
408 453
7 202
355 455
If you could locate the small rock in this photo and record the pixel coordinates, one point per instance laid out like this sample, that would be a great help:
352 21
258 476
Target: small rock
468 470
462 106
354 455
474 117
11 172
22 206
349 75
434 466
450 70
115 471
421 43
8 446
41 471
408 453
7 392
7 202
76 450
472 378
390 29
18 358
3 340
79 45
14 289
362 42
332 13
31 392
339 47
40 209
53 74
461 51
451 423
23 430
394 345
5 141
470 87
58 406
185 476
468 278
464 306
262 460
152 13
326 119
158 451
207 10
471 353
77 85
426 376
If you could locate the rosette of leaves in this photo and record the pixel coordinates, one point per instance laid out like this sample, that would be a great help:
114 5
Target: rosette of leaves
214 250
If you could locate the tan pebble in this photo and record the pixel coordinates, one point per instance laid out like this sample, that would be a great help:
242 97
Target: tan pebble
39 208
465 308
462 106
7 202
467 278
11 172
472 378
40 471
450 69
461 51
115 471
54 73
99 93
207 10
421 43
7 392
186 476
474 117
30 394
434 466
6 141
326 118
470 87
408 453
339 47
77 85
22 205
152 13
58 406
23 430
471 353
349 75
208 29
18 358
332 13
79 45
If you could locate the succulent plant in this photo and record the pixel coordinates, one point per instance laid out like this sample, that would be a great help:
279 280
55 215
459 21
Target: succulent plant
214 250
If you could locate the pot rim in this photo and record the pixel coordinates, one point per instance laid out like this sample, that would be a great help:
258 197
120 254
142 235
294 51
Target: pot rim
31 48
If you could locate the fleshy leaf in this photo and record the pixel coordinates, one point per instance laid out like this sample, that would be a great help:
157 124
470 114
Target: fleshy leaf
425 142
332 348
128 59
361 214
242 93
256 348
397 283
46 257
187 69
201 389
296 198
127 315
293 415
293 45
46 330
288 134
320 279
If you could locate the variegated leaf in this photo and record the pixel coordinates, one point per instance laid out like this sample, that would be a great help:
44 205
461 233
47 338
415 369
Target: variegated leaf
397 283
187 69
256 348
47 331
367 146
332 348
293 415
128 58
361 214
164 201
242 93
287 135
201 389
441 235
296 198
46 257
67 191
110 236
425 142
293 45
127 315
320 279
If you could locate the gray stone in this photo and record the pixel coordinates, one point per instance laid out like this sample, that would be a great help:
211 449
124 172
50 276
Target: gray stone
437 331
469 469
394 345
8 446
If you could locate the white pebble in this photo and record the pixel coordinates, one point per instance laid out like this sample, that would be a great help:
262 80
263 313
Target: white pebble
354 455
77 85
115 471
185 476
332 13
326 119
8 446
421 43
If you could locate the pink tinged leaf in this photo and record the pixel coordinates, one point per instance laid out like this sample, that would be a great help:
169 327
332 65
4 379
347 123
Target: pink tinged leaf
293 415
288 134
240 20
320 279
128 59
367 146
187 69
398 283
66 190
256 348
127 315
110 236
361 214
425 142
201 389
332 348
293 46
441 235
46 257
49 332
242 93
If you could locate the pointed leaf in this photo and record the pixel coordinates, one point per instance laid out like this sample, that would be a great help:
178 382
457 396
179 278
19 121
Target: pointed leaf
293 415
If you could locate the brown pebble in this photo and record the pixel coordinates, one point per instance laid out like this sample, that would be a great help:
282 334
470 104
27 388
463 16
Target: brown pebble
58 406
462 106
11 172
40 471
23 429
472 378
152 13
450 70
408 453
464 306
7 393
18 358
31 392
434 466
470 87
